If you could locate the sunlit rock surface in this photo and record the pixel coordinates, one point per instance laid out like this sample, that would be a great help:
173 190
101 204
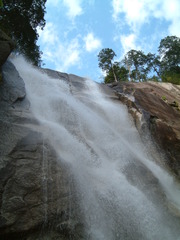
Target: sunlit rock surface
39 198
156 108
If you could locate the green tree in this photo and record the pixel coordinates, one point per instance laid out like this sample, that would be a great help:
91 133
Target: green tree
171 77
169 50
136 62
1 4
141 67
153 64
20 19
105 58
120 71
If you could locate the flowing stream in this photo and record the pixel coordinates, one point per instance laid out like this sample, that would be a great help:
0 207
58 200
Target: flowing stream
123 194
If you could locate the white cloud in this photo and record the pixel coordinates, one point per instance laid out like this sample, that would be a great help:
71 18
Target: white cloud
62 54
74 8
67 55
128 42
49 34
174 29
133 10
91 43
138 12
172 14
53 3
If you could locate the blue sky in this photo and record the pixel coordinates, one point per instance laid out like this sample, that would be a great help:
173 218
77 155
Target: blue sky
76 30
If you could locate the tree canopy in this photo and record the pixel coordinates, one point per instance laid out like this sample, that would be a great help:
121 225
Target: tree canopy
136 61
120 71
169 50
1 4
20 19
138 66
105 58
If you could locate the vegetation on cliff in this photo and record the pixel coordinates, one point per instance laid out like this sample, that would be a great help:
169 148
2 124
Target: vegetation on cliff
138 66
19 20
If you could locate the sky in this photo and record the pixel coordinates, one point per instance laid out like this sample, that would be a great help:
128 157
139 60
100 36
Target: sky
77 30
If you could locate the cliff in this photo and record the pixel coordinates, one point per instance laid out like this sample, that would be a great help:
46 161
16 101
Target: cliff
38 196
155 108
36 192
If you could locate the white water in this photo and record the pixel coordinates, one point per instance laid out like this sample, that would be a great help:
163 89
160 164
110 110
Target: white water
99 142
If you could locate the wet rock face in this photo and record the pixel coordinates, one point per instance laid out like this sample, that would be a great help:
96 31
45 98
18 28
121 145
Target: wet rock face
38 197
155 107
12 88
36 189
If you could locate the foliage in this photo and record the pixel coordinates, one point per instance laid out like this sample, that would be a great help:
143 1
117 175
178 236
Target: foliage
175 104
136 61
105 58
169 50
154 78
171 77
164 98
138 66
1 4
153 64
120 72
20 19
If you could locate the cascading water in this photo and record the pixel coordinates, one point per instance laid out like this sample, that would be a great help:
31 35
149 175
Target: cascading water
123 194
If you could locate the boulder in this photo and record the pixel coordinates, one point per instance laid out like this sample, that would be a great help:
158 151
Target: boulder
6 47
156 112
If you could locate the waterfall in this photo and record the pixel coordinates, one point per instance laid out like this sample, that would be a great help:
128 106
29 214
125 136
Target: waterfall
123 193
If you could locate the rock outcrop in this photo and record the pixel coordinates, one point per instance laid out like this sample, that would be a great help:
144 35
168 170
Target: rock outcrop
36 191
155 108
38 196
